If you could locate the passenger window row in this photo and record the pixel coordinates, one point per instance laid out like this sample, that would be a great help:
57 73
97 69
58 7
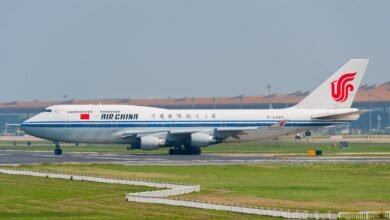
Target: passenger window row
108 112
75 112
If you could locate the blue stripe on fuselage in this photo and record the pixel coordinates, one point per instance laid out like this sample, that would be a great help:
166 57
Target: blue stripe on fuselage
179 124
181 121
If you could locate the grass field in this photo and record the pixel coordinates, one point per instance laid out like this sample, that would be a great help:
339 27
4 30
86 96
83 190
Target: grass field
23 197
270 147
323 187
334 187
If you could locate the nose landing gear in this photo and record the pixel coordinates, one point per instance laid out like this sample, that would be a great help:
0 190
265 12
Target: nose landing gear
58 150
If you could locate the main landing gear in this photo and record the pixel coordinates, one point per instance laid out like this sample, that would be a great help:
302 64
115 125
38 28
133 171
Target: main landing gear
185 151
58 150
307 133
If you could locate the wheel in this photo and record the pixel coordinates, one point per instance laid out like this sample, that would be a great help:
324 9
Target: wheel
176 150
58 151
196 151
189 151
192 151
185 151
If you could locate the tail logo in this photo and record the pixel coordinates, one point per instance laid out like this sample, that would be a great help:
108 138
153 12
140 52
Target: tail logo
342 87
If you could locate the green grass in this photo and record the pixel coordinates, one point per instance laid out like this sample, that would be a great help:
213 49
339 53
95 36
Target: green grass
280 148
300 147
335 187
23 197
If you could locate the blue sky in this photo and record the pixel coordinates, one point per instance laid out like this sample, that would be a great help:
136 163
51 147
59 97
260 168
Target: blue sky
120 49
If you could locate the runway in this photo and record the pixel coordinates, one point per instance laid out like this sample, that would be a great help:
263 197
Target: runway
12 157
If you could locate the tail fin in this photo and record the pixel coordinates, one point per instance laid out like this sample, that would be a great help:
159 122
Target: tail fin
339 90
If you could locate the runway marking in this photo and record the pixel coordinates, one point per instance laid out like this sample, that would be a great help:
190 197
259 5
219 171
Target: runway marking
53 156
6 154
109 155
111 158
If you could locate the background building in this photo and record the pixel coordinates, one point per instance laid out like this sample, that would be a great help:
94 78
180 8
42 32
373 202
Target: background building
373 98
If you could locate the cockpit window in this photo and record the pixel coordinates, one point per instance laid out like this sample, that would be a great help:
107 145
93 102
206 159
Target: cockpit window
47 110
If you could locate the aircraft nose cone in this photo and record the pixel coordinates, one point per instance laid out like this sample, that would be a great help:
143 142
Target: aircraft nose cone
24 127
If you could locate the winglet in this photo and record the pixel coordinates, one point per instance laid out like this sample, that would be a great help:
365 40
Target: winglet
278 125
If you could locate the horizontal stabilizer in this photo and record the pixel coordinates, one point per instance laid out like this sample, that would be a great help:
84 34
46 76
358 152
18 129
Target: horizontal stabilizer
341 116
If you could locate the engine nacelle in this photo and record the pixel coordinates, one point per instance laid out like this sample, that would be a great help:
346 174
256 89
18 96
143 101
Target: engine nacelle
151 143
201 140
307 133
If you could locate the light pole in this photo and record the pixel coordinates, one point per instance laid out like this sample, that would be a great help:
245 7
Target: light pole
241 97
369 117
286 101
269 89
269 94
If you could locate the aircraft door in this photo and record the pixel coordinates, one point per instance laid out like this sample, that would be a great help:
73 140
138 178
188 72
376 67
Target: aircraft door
67 125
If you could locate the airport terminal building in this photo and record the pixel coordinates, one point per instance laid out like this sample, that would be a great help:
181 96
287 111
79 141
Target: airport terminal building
373 98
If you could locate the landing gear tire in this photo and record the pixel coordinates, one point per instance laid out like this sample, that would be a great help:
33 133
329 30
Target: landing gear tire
58 150
195 151
172 151
185 151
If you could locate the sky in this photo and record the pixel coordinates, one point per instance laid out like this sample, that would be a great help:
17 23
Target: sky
93 49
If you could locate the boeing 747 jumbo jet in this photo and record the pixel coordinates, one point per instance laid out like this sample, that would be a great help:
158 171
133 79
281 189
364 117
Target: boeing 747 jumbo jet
187 131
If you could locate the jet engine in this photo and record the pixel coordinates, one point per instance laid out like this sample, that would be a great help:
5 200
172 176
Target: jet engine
151 143
201 140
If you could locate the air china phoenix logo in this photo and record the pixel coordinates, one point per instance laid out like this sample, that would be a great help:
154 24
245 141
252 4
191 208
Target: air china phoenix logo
342 87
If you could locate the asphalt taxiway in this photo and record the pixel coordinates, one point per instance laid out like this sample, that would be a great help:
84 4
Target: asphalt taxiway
12 157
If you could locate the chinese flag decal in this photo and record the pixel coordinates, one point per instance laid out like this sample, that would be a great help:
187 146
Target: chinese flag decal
84 116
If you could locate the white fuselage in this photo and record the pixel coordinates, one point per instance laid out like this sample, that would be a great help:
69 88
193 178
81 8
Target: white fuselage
118 123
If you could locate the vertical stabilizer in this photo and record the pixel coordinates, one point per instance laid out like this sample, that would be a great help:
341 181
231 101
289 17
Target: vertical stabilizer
339 90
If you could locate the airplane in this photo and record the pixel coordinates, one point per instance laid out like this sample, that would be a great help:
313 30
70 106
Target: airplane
187 131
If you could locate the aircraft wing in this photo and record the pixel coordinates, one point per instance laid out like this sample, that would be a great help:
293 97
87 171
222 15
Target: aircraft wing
130 134
221 133
236 132
134 134
224 133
